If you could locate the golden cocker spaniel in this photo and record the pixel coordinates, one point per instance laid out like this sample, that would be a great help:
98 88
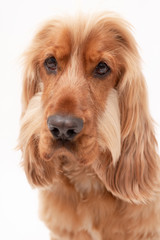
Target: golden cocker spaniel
87 138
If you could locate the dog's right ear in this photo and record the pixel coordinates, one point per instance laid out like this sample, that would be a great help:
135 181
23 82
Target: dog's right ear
30 125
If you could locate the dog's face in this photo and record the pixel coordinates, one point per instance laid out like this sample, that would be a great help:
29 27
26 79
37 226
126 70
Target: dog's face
78 72
83 97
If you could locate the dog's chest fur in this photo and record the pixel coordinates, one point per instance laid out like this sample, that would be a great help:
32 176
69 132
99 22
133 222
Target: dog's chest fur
81 202
84 180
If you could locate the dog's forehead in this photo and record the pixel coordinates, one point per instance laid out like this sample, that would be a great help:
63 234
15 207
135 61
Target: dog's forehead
79 34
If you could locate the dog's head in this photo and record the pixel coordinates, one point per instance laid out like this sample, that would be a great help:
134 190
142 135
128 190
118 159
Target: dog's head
84 101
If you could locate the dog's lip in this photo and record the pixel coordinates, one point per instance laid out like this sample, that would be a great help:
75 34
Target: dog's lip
64 146
63 143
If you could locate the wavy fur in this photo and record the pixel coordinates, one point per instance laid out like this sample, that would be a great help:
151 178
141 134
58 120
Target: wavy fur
105 184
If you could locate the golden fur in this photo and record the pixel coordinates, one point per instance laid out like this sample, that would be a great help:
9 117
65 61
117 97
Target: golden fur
104 185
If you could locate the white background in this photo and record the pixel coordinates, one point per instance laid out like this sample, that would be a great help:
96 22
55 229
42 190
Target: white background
18 21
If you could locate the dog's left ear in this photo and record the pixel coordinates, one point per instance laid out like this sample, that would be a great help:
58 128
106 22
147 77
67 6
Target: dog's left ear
135 175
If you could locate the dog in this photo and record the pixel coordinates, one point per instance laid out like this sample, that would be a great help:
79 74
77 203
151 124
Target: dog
87 137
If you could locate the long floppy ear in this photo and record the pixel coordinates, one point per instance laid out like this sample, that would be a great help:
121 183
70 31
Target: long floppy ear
31 118
135 175
30 125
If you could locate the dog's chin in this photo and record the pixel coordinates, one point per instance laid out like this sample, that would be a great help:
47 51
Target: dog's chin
61 151
64 154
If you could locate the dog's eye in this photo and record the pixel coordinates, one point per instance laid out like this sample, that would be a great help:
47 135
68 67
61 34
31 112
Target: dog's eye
51 65
102 70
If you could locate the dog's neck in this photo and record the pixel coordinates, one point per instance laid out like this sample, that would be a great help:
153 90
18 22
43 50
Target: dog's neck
85 181
82 179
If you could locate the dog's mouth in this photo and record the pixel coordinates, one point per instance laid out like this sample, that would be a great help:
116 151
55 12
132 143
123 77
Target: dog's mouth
82 149
61 144
64 149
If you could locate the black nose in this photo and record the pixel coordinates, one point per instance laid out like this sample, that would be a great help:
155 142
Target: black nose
64 127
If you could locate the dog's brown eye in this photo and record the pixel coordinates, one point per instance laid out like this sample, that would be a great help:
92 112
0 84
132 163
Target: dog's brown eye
102 70
51 65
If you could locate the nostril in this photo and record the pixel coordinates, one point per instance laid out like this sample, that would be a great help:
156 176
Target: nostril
55 132
71 133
